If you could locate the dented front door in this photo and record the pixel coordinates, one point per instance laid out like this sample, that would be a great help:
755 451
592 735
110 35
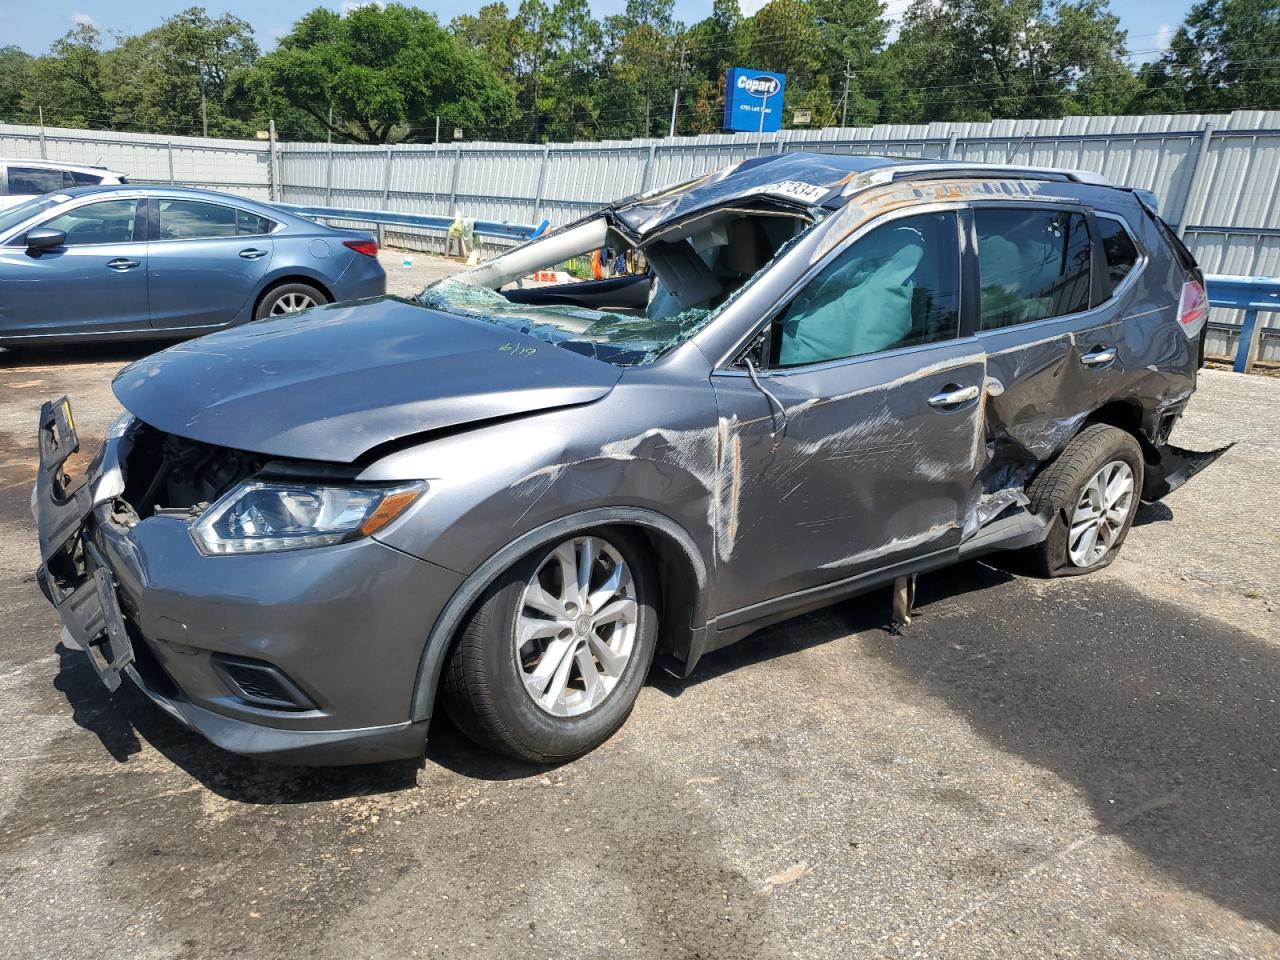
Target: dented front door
871 461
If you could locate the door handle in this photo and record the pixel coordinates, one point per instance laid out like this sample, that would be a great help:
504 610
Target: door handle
1096 357
252 254
120 264
954 396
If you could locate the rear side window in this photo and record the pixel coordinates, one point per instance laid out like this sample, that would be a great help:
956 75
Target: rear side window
898 286
34 180
74 178
199 220
1121 253
1033 265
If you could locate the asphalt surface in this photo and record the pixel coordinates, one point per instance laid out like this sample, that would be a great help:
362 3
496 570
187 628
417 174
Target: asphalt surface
1073 768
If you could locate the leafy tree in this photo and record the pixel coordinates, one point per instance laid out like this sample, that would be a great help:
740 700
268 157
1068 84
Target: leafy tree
573 75
15 65
641 61
1224 57
155 81
380 74
981 59
67 82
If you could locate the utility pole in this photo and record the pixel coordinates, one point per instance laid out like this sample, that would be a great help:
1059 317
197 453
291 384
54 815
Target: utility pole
675 101
204 106
44 155
437 129
844 101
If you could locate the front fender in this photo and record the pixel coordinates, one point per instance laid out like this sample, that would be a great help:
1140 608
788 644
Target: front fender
446 626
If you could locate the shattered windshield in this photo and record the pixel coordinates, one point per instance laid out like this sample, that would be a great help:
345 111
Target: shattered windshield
616 338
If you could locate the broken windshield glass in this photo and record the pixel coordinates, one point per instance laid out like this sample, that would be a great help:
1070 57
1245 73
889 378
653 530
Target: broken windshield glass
616 338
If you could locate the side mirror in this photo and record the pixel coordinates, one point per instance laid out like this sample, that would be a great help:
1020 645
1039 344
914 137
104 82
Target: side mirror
43 238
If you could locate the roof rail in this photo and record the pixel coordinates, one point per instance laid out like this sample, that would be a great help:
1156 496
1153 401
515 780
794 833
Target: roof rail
952 169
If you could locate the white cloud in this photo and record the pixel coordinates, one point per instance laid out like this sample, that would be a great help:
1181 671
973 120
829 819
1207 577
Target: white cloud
749 7
83 20
351 6
1164 36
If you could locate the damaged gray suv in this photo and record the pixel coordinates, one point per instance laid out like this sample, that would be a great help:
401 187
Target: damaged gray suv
811 375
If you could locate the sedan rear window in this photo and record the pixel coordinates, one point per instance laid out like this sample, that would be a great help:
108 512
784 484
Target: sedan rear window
1033 264
198 220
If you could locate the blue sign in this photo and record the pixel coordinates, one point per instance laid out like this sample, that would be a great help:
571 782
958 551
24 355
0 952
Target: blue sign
746 93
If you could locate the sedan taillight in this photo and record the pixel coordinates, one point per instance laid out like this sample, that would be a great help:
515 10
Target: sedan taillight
368 247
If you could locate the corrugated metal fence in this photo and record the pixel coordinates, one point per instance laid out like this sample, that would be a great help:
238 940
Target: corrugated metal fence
1217 176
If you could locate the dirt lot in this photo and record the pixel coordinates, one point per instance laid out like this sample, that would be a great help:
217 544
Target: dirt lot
1078 768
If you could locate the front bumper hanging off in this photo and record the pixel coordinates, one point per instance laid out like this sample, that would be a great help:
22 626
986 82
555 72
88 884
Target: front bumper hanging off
71 576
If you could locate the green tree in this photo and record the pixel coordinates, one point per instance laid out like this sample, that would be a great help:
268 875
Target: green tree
982 59
380 74
573 72
15 66
1224 57
641 64
67 83
160 80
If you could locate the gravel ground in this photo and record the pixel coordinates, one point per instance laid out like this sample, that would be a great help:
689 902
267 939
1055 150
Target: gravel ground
1077 768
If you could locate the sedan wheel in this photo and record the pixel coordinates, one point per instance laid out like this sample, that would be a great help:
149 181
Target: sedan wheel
289 298
291 303
555 652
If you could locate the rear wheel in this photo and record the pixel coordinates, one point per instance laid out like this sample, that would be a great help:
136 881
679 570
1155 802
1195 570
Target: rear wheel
1093 489
551 660
289 298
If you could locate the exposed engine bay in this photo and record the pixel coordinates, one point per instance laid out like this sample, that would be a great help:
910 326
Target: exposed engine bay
169 474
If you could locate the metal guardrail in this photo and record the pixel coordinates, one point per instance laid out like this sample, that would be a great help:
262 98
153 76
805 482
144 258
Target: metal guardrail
1252 295
392 218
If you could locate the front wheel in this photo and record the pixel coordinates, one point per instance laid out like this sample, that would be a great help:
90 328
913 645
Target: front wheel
552 658
1093 489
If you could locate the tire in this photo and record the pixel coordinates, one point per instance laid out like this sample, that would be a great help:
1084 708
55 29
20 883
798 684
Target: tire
490 683
1066 488
289 298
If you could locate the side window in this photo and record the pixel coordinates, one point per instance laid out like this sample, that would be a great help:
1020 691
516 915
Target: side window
250 224
196 220
1119 248
33 180
1033 265
109 221
898 286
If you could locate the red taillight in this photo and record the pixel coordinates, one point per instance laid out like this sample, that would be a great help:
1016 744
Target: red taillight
1194 305
368 247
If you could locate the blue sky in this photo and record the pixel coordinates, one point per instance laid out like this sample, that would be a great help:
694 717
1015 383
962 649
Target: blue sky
33 26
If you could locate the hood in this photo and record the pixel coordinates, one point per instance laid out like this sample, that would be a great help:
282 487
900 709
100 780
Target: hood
336 381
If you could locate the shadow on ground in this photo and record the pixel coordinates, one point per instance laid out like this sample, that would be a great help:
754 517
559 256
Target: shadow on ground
1167 722
123 351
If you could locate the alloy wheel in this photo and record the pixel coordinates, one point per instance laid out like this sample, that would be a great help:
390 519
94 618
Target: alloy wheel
575 626
1100 513
291 303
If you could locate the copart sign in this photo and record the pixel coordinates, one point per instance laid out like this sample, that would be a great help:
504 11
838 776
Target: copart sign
749 92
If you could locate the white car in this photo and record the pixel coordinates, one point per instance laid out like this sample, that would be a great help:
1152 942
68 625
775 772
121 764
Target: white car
23 179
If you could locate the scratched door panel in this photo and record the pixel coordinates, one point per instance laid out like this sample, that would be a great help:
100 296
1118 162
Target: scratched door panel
867 473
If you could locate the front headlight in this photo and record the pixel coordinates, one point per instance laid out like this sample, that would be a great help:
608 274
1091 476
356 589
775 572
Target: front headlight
260 517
